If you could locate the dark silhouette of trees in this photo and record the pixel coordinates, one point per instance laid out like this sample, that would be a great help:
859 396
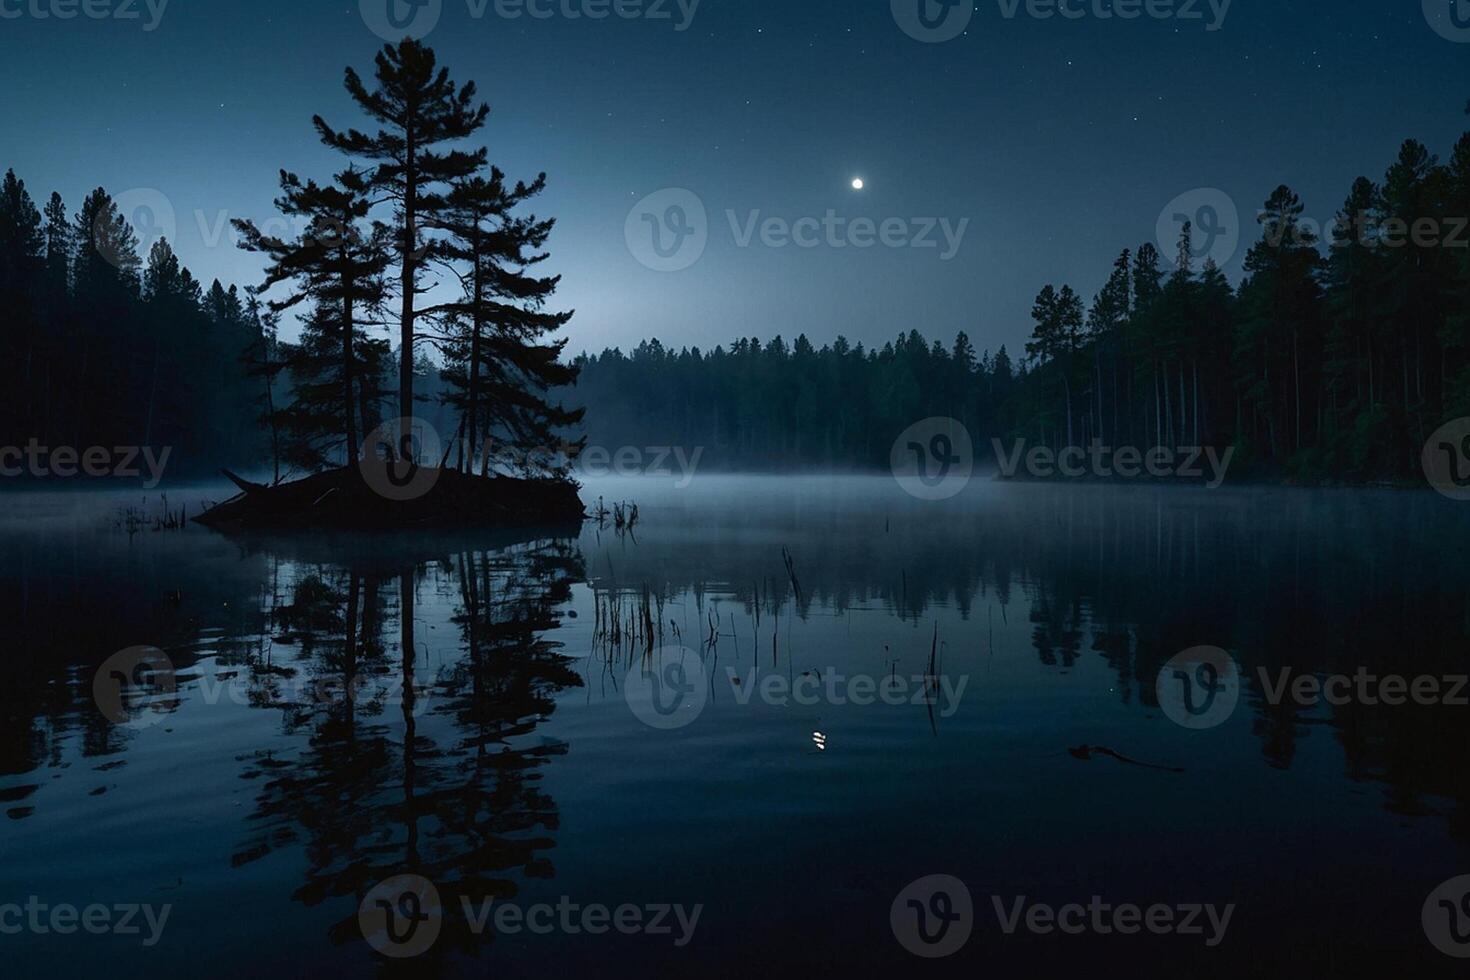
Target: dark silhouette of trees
97 350
420 110
1333 359
338 263
499 363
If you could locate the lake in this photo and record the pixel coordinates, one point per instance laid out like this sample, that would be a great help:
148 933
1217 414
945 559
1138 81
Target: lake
787 726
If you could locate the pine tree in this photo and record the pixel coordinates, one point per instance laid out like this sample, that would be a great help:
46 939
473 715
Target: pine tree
338 263
501 365
1105 322
1280 327
59 239
21 262
1352 272
1456 335
105 287
263 360
419 109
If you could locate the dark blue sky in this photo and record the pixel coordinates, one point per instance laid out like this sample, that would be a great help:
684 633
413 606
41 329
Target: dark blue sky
1059 140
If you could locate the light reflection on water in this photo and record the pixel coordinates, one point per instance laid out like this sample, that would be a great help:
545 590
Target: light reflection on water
790 775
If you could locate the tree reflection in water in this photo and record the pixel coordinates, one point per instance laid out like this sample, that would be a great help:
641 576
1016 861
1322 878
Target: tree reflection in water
411 765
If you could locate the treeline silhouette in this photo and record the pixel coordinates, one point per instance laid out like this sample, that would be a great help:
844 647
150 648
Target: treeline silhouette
100 348
1335 357
1332 358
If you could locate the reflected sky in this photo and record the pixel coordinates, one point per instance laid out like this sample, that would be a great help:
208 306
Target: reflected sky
503 735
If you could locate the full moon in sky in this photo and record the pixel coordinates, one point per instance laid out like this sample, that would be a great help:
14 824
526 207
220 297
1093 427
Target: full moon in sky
857 183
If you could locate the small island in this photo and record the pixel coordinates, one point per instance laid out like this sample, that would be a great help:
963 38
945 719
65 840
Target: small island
411 202
341 499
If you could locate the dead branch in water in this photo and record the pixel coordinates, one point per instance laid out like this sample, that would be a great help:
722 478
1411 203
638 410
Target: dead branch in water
791 573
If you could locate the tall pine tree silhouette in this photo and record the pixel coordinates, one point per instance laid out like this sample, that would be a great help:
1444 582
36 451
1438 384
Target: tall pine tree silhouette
500 366
339 264
420 110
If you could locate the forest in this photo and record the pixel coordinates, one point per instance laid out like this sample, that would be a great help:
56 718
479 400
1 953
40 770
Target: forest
1331 360
102 347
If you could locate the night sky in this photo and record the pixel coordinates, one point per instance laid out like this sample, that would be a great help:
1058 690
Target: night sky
1059 140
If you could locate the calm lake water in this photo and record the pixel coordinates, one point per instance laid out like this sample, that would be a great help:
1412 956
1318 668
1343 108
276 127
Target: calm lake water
660 719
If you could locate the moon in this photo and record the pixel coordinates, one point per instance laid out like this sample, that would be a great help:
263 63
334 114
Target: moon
857 184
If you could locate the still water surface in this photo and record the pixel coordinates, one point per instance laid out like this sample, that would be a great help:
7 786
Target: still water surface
496 744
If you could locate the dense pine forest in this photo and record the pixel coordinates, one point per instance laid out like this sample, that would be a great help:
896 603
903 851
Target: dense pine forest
1332 359
100 346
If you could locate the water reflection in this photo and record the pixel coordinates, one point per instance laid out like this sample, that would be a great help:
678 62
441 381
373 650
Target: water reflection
434 706
407 766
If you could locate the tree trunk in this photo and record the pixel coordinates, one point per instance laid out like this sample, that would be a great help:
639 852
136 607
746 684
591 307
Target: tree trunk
474 393
349 404
410 276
